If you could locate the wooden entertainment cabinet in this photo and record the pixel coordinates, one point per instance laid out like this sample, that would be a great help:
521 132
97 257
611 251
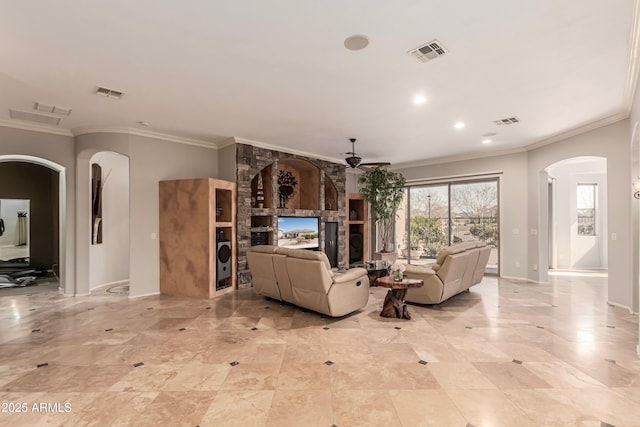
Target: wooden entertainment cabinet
197 237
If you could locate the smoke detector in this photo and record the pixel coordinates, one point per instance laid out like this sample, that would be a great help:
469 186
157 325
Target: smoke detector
109 93
428 51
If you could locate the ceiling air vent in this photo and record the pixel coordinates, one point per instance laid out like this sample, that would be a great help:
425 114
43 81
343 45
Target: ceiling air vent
34 117
507 121
428 51
109 93
53 109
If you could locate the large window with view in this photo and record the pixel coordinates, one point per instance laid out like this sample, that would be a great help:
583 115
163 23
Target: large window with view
434 216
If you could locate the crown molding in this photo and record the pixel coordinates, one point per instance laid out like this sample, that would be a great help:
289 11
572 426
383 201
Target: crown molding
556 138
144 133
577 131
227 142
35 128
286 150
456 158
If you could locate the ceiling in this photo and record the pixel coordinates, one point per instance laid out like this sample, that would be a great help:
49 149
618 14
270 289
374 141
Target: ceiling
277 73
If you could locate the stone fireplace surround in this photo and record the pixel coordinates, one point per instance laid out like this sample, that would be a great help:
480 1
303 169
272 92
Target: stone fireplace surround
251 160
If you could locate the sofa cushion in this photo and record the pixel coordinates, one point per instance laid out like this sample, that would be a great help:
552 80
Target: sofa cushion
304 254
449 250
265 249
263 275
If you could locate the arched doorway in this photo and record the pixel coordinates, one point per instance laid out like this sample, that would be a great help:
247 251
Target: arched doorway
109 254
577 214
61 212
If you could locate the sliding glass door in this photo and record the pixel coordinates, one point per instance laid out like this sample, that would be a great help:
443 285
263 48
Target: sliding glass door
434 216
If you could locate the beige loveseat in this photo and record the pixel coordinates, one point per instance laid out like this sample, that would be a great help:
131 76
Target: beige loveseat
457 268
304 278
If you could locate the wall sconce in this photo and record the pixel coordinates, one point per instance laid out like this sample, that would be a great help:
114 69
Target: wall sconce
636 188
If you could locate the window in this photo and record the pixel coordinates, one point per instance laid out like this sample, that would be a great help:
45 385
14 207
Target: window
434 216
586 209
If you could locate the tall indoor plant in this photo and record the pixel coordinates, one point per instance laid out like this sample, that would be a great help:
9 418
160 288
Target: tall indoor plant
384 190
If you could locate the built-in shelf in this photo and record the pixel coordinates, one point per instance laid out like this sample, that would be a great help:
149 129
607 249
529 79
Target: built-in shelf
357 225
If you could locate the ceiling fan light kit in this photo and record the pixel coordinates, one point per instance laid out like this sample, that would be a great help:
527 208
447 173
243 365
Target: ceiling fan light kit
354 160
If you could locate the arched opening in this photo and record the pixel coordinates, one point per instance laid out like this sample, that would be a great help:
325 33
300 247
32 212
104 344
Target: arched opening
109 254
577 215
52 249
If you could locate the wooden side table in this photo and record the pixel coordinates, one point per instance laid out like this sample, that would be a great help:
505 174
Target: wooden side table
394 305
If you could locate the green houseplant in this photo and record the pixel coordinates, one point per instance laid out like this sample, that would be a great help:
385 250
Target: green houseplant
384 191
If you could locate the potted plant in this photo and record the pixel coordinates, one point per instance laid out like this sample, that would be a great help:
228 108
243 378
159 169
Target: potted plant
384 191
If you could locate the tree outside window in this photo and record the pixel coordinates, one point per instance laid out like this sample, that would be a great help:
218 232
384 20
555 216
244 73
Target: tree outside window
586 209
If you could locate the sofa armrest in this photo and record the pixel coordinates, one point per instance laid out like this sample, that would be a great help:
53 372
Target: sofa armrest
349 275
417 269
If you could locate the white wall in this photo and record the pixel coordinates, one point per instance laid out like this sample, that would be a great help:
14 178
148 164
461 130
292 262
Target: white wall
56 151
227 163
612 143
351 184
109 261
634 143
150 161
512 175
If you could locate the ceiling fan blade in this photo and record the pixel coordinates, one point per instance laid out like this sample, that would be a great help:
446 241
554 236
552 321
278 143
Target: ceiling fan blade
376 164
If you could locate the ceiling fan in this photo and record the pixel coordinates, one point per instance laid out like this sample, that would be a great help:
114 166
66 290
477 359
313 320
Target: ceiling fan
355 161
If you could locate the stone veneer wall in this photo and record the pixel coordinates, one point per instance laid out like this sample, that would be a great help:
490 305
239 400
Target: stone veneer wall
250 160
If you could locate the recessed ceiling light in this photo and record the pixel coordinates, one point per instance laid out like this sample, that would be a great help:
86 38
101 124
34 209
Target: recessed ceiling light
459 125
486 141
419 99
356 42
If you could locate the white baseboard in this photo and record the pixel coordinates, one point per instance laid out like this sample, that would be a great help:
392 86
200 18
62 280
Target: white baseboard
82 294
521 279
615 304
144 295
117 282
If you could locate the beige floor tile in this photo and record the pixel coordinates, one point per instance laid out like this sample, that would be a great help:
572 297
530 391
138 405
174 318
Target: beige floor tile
562 375
426 408
252 376
198 376
553 407
304 376
489 408
239 409
310 408
579 362
459 376
509 375
364 408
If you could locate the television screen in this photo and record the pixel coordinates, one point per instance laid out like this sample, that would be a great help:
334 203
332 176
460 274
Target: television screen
298 232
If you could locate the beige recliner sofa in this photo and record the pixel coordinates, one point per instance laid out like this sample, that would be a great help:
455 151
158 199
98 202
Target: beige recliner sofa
457 268
304 278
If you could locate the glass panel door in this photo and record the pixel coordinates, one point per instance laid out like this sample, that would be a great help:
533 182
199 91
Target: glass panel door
432 217
474 213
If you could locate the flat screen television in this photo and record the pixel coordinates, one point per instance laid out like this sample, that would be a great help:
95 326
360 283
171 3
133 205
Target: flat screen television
298 232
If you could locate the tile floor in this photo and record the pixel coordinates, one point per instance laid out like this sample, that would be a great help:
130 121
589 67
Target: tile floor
504 354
